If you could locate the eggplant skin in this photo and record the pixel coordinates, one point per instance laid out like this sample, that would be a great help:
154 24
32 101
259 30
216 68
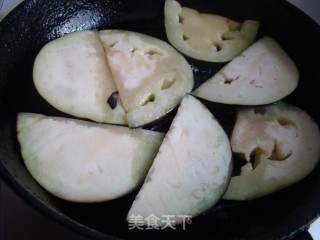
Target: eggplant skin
283 141
195 34
113 100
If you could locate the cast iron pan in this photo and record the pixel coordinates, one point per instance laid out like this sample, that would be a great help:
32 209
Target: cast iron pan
35 22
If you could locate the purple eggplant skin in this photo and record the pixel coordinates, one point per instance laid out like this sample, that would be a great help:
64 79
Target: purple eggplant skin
113 100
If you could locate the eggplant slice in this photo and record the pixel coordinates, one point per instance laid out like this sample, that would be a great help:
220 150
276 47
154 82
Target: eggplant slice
25 31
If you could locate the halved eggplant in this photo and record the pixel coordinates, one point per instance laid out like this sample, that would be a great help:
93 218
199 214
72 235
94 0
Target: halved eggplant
72 74
151 76
207 37
281 144
192 169
112 76
84 161
262 74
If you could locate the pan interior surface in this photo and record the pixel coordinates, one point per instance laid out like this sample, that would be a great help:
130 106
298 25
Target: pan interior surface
35 22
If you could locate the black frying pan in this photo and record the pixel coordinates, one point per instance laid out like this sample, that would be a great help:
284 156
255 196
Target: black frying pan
285 214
